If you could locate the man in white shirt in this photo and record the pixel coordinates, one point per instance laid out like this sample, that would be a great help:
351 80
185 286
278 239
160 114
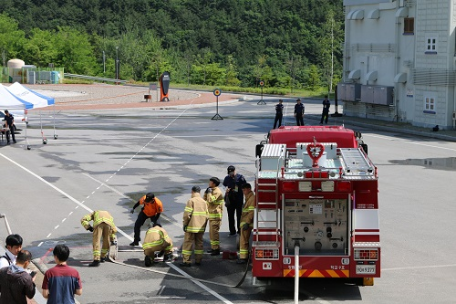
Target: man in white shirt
13 247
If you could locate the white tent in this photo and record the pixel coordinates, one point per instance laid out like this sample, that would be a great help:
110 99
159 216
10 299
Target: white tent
10 101
37 100
33 100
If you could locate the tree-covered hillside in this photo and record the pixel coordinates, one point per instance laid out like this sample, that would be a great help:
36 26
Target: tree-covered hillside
214 42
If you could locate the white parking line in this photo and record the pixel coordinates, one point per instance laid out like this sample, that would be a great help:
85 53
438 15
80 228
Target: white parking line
220 297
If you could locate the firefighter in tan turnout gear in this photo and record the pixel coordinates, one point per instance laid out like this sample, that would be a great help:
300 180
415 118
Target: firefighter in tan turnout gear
103 227
194 224
246 223
157 239
214 198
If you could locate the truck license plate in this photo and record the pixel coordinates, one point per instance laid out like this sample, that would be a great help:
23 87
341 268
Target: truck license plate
365 269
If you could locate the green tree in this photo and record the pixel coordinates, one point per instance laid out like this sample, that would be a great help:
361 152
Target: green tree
314 80
11 38
40 48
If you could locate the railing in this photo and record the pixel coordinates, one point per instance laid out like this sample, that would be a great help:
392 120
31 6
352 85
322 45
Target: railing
102 79
8 228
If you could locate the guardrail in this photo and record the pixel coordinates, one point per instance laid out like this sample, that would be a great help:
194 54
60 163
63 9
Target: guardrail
68 75
8 228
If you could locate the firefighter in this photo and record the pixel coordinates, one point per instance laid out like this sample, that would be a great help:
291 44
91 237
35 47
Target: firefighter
157 239
214 198
103 226
194 224
246 223
152 208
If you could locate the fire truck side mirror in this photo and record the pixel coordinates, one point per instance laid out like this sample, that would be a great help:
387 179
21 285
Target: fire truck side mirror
258 150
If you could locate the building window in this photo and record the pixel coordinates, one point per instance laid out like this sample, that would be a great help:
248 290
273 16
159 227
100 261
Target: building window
429 105
409 26
431 45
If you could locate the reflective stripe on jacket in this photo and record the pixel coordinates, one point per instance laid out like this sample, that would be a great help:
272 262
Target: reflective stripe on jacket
98 217
248 210
215 204
195 214
157 238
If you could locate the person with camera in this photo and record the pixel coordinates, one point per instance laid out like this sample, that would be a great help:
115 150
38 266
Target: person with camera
16 283
214 198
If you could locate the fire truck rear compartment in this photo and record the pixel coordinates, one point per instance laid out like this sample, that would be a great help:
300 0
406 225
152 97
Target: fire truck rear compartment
320 226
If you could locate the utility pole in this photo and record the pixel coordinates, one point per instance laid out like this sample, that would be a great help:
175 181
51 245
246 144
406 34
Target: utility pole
117 62
332 55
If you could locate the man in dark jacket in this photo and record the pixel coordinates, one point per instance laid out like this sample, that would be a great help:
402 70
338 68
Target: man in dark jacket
15 282
279 113
234 198
299 112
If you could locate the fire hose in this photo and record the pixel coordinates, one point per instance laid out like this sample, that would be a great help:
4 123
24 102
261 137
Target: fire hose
112 259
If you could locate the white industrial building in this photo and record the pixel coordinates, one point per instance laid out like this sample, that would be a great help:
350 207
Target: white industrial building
400 61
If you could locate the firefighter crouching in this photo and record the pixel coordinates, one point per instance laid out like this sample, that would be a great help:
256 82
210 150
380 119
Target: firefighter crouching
194 224
214 198
103 227
246 223
157 239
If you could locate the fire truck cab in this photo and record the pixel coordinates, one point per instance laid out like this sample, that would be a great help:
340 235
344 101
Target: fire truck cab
316 201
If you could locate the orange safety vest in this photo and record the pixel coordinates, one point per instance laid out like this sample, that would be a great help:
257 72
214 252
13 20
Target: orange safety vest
150 209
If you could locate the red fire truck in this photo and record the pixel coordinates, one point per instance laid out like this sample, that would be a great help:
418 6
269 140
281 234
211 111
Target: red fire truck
316 195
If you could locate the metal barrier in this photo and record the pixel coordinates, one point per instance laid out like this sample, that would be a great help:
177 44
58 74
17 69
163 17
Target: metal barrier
94 78
8 228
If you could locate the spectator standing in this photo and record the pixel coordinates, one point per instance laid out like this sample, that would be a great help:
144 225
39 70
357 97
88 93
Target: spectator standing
246 223
103 226
13 247
233 183
16 284
61 282
325 114
299 112
214 198
152 208
9 120
194 224
279 113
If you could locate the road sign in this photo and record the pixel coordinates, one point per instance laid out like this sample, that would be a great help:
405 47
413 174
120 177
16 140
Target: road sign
217 92
262 83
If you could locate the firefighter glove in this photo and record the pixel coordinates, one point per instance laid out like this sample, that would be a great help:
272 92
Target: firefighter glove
132 210
90 229
185 228
245 226
208 190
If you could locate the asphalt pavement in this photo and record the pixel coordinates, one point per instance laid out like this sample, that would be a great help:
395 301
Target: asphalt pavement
108 159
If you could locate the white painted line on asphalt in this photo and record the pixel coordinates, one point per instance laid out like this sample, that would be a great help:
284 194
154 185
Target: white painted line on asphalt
79 204
380 136
39 245
431 146
56 227
410 142
124 196
220 297
70 213
64 220
48 235
419 267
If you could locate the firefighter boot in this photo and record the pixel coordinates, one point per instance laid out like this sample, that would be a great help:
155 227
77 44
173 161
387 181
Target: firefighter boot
95 263
148 261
